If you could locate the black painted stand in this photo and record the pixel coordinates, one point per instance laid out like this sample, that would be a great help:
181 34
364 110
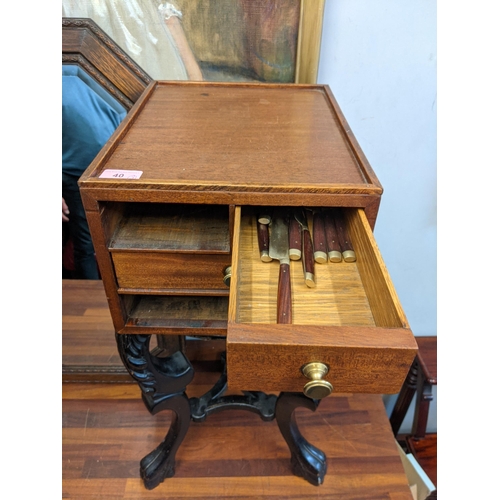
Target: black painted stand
308 461
163 382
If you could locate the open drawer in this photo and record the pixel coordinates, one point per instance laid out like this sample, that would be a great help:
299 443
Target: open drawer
352 321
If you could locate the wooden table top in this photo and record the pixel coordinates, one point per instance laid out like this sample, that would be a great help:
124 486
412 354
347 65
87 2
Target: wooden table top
89 352
236 137
234 454
88 336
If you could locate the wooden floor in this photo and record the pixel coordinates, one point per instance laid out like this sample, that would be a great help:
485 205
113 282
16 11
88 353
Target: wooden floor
232 455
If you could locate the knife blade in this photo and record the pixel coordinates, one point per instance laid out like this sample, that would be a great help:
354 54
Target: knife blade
294 232
278 249
307 249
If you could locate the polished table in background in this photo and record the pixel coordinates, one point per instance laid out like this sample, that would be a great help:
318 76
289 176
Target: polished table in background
233 454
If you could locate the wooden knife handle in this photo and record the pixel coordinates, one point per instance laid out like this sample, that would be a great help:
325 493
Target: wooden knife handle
344 239
319 239
295 244
332 240
308 259
264 217
263 238
284 314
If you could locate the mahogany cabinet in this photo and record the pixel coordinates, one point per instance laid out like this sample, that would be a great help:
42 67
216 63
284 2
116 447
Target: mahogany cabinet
172 202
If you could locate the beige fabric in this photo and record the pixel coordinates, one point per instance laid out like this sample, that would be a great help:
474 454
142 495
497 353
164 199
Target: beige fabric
138 27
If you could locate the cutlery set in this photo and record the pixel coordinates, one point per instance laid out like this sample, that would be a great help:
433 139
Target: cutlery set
284 234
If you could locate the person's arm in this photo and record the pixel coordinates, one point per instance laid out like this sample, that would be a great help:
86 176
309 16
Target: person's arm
173 23
187 56
65 211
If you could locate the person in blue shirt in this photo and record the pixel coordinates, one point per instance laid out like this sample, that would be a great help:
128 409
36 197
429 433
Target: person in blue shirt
89 118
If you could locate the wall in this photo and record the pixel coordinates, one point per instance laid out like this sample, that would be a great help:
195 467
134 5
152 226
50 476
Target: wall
379 58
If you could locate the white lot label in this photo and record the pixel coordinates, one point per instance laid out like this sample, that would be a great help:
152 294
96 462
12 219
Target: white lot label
120 174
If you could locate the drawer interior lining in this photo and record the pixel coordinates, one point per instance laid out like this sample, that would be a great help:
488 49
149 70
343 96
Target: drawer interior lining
380 292
172 228
195 313
338 299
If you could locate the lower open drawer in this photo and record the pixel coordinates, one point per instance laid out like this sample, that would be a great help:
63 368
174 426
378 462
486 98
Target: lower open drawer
352 321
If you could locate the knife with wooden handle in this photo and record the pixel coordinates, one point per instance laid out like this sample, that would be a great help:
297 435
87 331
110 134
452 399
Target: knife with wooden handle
332 240
264 217
345 242
307 249
278 249
295 240
263 239
319 238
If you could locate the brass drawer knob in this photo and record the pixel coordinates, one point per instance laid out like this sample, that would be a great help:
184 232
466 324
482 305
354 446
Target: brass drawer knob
227 276
317 388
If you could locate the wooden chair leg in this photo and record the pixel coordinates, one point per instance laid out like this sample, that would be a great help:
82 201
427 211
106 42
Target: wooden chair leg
424 398
404 399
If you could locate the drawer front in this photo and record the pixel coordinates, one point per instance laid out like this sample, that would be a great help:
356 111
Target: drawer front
351 321
271 358
170 271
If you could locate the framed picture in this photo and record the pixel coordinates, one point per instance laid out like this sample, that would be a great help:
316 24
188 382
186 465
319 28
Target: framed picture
217 40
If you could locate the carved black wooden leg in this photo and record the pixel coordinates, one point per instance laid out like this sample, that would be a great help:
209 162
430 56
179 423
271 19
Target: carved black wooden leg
160 463
162 381
307 461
